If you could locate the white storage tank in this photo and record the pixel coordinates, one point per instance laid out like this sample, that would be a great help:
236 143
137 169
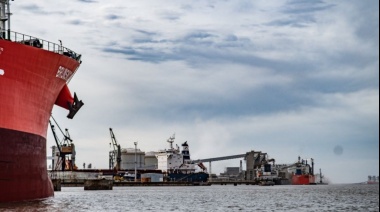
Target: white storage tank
151 160
128 158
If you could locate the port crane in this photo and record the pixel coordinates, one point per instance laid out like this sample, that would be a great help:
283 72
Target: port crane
65 147
115 154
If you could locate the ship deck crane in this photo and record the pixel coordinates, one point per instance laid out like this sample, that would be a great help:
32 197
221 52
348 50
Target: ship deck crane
114 155
65 147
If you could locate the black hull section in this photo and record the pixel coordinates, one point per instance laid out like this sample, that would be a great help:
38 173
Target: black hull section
23 171
193 177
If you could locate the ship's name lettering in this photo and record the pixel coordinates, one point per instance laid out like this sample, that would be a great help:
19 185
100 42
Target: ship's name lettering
64 73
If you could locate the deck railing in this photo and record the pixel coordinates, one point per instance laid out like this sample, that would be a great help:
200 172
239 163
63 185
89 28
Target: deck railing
39 43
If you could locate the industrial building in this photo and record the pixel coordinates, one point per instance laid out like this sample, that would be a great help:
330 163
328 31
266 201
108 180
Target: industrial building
130 157
175 164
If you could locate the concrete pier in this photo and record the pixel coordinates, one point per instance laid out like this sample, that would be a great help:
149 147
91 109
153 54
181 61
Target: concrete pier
98 184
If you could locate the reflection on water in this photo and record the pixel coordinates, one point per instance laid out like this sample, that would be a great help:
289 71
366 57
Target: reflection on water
353 197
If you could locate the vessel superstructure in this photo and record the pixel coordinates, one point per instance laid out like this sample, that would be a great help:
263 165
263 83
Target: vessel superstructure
172 160
177 164
33 77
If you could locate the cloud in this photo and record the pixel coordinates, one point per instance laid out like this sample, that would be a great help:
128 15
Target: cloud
288 78
32 8
113 17
88 1
304 7
76 22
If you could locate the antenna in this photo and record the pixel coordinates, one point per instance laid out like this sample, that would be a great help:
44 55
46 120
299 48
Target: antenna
171 140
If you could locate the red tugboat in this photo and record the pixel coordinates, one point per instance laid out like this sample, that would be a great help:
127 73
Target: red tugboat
33 77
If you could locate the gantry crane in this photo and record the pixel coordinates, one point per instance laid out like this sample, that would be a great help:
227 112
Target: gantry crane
115 154
65 148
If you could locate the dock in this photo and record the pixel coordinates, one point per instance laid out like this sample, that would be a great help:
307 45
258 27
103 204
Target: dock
98 184
215 182
130 183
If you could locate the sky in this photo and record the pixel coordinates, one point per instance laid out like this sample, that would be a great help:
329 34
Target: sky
289 77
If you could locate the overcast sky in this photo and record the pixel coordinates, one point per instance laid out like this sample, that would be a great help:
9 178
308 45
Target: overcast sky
289 78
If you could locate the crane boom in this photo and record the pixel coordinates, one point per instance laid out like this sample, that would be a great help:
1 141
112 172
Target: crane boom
55 136
65 147
115 155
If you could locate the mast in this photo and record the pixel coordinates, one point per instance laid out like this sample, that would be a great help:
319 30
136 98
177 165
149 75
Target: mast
5 16
171 140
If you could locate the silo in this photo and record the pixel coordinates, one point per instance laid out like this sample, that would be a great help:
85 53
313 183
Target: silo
128 158
55 158
151 160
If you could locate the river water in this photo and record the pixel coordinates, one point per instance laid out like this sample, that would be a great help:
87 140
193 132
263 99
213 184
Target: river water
348 197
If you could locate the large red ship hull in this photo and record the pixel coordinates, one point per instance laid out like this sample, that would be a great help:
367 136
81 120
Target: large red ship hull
31 82
304 179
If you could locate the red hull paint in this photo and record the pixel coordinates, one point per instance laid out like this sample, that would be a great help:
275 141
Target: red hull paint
29 87
371 182
303 179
